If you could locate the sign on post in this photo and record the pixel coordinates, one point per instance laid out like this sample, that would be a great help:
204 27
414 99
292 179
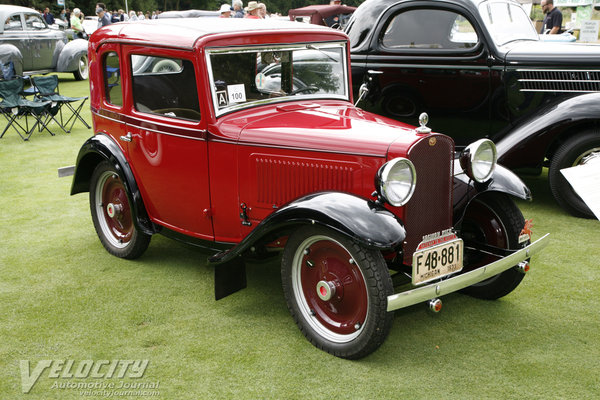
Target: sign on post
60 2
589 31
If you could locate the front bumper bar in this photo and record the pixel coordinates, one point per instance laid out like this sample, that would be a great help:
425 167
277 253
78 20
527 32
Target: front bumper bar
433 290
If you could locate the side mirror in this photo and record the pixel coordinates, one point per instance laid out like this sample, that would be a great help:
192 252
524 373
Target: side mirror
364 88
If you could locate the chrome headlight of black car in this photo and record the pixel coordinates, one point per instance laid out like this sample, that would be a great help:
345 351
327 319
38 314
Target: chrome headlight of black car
395 181
479 160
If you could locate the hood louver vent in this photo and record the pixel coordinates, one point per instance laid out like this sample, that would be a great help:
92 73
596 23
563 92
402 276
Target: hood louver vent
564 81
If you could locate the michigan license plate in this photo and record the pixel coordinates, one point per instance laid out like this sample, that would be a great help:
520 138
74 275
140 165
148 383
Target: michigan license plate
437 256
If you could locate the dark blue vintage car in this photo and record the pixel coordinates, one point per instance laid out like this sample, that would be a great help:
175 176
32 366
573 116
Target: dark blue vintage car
34 47
481 62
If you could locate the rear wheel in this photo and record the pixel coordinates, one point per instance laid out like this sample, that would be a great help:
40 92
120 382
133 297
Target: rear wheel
580 150
492 219
112 216
336 291
82 71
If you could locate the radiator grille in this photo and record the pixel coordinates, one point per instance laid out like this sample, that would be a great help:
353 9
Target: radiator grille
281 179
430 208
576 81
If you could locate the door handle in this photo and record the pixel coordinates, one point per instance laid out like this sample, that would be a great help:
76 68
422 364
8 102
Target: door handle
127 138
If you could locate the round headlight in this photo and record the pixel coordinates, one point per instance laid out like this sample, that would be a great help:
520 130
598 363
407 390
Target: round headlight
395 181
479 160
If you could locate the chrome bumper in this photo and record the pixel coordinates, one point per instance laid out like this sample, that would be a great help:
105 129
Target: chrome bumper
428 292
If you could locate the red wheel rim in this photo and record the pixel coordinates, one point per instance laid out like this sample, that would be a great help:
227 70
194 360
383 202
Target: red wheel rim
118 224
325 260
483 225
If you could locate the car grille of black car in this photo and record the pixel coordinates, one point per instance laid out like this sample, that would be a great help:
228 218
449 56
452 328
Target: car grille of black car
430 208
576 81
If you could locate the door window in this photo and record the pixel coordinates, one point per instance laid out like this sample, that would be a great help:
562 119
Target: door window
429 29
13 23
112 79
165 86
34 22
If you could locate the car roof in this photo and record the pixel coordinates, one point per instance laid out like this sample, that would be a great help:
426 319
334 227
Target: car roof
185 32
8 9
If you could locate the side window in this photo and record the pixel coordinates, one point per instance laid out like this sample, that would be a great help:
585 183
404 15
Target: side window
13 23
165 86
34 22
429 29
112 79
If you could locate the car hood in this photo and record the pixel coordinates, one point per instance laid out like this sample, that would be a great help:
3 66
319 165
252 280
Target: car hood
318 127
551 53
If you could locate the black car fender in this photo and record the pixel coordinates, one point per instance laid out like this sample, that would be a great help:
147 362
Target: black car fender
101 147
362 220
529 141
503 181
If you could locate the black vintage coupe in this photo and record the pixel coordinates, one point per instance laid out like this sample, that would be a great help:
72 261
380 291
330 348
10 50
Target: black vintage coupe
481 62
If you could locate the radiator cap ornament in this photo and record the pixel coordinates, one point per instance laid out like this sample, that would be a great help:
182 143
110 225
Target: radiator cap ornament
423 120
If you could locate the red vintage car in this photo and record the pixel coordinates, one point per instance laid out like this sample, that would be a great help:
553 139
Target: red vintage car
241 136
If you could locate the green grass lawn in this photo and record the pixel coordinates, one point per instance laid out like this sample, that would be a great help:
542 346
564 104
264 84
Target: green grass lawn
63 297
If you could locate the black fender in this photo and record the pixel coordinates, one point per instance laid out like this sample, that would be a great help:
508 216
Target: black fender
528 142
362 220
465 189
97 149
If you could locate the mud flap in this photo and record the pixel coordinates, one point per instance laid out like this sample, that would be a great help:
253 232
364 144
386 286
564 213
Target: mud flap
230 277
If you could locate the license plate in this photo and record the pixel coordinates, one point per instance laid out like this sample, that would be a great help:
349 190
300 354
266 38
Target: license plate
436 258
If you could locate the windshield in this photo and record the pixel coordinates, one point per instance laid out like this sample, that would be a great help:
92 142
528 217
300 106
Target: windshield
506 22
244 77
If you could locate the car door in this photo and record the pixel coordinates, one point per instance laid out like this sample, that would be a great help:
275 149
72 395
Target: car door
167 139
42 43
433 59
14 33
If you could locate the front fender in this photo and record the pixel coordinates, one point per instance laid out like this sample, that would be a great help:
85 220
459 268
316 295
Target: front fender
68 60
97 149
9 52
361 220
465 189
526 144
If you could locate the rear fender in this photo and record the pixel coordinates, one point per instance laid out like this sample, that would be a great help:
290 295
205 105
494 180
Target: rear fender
68 60
97 149
531 140
9 52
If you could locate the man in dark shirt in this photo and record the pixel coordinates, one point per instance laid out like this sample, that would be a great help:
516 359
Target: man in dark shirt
48 16
553 18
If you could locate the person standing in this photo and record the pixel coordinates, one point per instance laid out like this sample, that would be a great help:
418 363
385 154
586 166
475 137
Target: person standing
225 11
103 18
553 19
48 16
253 10
76 23
238 9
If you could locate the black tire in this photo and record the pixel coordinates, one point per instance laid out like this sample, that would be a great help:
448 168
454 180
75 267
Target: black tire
112 215
570 154
493 219
400 105
82 72
354 322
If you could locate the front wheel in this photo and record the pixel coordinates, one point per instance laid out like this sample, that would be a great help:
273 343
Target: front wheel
491 219
112 216
82 71
336 291
580 150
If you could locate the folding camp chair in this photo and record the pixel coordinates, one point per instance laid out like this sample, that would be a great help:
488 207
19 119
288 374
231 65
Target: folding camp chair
47 88
14 107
